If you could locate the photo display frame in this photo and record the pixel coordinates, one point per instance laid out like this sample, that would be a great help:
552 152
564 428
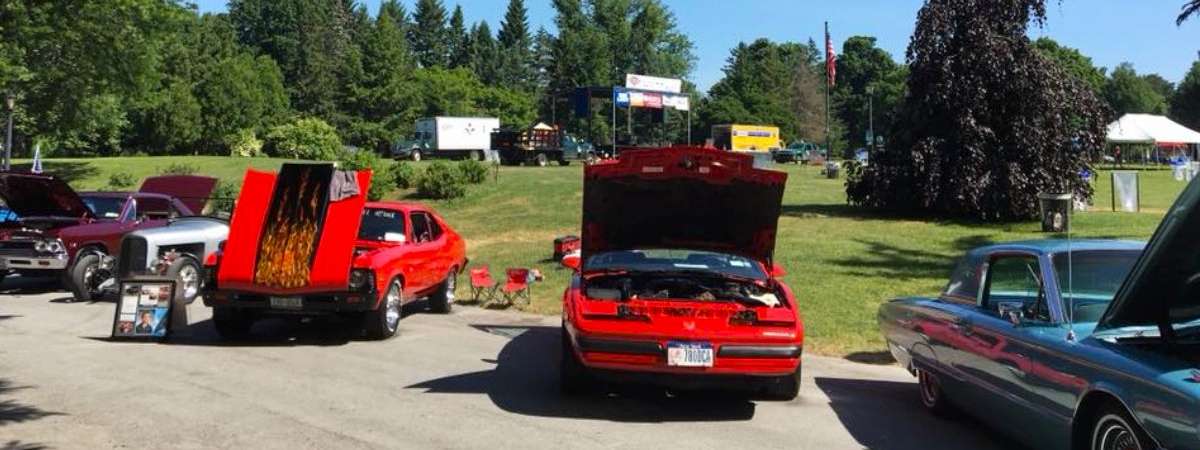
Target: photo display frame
144 309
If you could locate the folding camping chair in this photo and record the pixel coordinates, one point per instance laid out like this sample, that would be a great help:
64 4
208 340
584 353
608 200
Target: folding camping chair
483 287
517 286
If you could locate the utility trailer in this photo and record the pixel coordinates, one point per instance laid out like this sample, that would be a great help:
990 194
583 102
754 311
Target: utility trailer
538 146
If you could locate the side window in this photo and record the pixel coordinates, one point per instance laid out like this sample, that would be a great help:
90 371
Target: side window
964 281
1015 281
435 230
154 208
420 227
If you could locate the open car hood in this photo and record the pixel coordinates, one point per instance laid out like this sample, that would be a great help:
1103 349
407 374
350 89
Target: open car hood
36 195
192 190
682 198
1156 286
293 232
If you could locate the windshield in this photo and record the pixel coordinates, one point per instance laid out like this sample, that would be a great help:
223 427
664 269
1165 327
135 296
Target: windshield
105 207
675 260
379 223
1095 277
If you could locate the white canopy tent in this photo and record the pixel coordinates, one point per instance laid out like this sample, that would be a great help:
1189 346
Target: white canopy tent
1152 130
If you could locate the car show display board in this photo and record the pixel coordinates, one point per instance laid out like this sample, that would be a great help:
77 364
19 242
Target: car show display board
144 309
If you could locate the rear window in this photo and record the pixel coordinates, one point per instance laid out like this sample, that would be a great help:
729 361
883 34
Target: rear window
105 207
377 223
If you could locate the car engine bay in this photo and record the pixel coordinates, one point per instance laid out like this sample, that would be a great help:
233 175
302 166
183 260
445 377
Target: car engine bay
681 287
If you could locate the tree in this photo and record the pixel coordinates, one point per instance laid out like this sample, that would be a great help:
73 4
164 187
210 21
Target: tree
1072 62
482 52
772 84
1185 105
1189 8
387 94
866 73
459 52
428 36
514 29
1126 92
988 122
1160 85
515 66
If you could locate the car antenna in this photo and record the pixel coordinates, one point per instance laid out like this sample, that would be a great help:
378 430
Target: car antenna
1070 281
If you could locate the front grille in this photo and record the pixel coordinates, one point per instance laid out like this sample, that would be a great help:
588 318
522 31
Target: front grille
133 256
17 245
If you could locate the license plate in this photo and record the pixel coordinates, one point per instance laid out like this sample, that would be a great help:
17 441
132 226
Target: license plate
689 354
287 302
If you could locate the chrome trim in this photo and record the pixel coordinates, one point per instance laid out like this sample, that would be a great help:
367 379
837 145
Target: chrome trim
33 262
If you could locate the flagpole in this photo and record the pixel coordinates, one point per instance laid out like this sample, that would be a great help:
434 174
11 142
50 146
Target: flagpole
828 138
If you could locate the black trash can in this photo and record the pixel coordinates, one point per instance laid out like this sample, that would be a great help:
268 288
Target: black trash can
831 169
1056 211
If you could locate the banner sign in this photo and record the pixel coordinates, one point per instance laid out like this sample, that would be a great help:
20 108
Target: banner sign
679 102
653 100
144 309
656 84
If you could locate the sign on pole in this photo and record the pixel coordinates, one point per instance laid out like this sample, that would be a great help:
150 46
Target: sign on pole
656 84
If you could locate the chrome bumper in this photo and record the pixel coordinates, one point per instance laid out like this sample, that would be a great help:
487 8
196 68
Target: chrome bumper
8 262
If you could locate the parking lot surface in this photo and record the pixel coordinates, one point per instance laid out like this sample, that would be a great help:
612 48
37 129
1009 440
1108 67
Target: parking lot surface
476 378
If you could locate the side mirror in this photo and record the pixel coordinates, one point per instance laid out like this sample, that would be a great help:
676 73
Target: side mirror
1014 312
777 271
572 261
394 237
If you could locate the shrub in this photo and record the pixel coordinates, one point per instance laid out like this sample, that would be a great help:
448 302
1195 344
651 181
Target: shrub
220 202
121 181
441 181
244 143
305 139
179 169
403 175
473 171
381 178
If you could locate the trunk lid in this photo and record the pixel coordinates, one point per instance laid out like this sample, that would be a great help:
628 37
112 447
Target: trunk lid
682 198
192 190
35 195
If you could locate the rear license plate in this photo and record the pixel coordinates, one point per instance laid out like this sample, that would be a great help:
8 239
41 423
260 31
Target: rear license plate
689 354
287 302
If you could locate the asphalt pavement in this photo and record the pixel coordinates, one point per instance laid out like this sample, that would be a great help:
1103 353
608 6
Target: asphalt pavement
476 378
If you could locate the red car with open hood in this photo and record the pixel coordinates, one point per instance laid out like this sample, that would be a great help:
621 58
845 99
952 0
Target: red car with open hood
306 242
676 284
51 230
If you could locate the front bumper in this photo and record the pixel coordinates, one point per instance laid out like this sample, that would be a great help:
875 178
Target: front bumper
33 262
629 356
310 304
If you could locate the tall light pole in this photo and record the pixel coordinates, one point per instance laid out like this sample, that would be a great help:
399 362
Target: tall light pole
11 103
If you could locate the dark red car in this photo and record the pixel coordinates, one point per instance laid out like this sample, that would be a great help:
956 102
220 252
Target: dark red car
50 230
335 255
676 284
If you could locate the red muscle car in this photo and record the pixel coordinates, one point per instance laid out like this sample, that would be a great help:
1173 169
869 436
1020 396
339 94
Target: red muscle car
50 230
335 255
675 284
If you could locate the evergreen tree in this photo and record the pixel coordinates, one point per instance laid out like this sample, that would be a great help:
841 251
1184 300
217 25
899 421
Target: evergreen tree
514 29
428 36
482 51
458 40
1185 104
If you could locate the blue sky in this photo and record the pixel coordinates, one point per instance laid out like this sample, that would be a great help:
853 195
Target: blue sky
1142 32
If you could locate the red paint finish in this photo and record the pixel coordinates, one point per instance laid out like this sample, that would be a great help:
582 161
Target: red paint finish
237 266
422 266
338 236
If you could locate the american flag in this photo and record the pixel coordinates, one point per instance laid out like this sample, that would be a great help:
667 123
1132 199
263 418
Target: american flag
830 60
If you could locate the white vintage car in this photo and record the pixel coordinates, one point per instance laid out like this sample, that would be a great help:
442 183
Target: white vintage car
177 250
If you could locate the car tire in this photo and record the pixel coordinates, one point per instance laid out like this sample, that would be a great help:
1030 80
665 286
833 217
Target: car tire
415 155
540 160
83 277
1115 429
186 273
785 388
564 162
232 323
573 378
476 155
930 392
442 300
382 323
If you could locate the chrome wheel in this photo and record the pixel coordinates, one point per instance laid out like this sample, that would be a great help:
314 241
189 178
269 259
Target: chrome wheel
416 155
189 281
1114 433
392 311
451 282
94 276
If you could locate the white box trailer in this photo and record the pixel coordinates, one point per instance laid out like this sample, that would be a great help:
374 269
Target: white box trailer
448 137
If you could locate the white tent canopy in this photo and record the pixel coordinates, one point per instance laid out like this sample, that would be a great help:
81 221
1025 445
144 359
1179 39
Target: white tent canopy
1150 129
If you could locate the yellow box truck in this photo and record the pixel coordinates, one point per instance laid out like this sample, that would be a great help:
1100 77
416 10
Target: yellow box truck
746 138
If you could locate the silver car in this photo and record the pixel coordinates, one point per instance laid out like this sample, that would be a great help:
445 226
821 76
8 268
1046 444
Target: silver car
177 250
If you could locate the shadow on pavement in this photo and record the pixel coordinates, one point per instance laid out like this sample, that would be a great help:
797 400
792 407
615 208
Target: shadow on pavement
879 358
18 445
18 285
12 411
887 415
525 381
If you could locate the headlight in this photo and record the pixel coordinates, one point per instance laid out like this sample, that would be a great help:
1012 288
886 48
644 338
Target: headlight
41 247
56 246
361 279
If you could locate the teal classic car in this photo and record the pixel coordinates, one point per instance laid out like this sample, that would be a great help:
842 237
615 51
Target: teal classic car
1067 345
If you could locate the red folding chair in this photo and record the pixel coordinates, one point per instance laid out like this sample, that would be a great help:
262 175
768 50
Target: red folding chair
517 286
483 287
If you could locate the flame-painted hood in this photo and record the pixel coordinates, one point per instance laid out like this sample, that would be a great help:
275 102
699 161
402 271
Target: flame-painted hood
682 198
36 195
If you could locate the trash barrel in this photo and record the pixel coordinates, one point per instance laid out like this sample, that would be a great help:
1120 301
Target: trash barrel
831 169
1056 212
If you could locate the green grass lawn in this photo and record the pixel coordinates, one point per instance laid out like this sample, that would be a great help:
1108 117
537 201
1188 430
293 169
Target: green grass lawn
842 261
